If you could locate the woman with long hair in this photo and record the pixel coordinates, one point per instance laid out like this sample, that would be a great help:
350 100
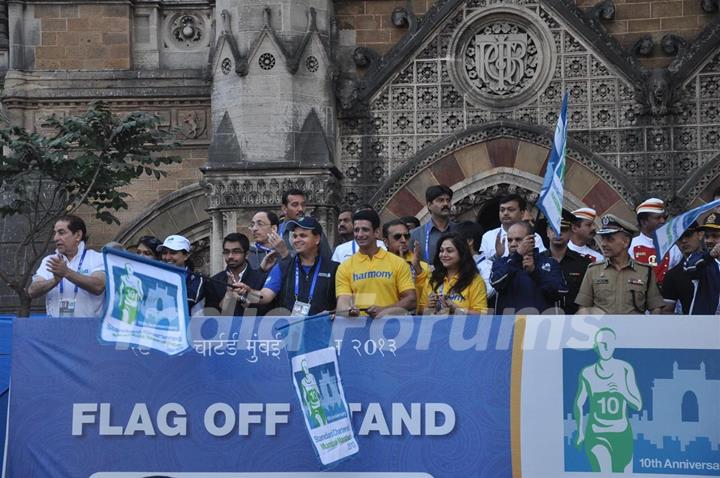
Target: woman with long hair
455 286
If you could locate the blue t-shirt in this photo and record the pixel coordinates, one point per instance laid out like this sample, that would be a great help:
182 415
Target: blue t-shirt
274 279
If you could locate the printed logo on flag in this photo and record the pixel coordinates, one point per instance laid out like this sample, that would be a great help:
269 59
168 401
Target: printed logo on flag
321 396
641 410
143 300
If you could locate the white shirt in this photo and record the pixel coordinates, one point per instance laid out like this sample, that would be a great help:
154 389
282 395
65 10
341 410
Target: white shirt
347 249
86 304
487 246
594 255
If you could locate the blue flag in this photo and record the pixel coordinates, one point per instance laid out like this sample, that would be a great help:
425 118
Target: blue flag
551 194
316 379
668 234
145 303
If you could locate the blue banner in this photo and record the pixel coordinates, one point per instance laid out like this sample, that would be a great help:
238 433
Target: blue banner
426 395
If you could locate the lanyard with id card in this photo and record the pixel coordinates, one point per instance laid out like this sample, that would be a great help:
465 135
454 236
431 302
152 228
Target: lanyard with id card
67 305
302 309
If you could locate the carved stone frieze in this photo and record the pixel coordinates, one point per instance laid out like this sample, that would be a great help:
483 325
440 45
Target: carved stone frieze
233 191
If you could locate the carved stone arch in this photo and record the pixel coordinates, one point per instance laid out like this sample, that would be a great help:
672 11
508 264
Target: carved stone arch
182 212
699 187
504 152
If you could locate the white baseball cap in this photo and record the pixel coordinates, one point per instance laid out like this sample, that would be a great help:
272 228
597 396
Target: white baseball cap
175 243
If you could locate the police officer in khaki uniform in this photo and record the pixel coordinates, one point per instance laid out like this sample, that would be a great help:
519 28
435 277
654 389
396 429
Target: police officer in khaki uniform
618 285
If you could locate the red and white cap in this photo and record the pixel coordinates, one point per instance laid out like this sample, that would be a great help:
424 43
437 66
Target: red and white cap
652 205
585 213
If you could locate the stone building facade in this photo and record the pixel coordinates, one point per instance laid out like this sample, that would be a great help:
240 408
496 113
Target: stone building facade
373 100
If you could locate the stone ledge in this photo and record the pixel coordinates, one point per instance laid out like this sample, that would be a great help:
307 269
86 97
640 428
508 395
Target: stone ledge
102 84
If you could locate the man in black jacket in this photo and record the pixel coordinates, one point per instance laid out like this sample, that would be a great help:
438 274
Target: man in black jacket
224 298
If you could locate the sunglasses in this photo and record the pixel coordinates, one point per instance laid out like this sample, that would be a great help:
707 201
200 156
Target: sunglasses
396 237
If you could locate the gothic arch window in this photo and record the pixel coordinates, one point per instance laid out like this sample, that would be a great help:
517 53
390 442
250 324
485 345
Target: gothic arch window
689 408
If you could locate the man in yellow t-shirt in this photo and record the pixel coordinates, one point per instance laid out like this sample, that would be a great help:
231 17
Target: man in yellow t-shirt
373 281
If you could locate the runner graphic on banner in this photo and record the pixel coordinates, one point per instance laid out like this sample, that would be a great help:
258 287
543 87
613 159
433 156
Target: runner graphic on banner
609 386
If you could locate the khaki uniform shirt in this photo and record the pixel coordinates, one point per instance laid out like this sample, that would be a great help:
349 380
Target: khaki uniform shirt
631 290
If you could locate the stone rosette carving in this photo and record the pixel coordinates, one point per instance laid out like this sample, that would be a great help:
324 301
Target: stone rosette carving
186 31
501 57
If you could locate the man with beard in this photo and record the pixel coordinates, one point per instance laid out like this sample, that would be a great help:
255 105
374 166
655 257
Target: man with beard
583 233
678 286
705 268
439 201
226 299
572 264
494 242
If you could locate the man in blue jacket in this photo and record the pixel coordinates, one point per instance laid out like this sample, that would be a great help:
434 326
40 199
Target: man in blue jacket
525 279
705 268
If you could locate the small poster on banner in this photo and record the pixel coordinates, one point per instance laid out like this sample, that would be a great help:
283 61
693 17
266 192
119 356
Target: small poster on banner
145 303
317 382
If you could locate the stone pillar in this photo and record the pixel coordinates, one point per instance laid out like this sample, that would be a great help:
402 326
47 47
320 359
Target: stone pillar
216 241
273 108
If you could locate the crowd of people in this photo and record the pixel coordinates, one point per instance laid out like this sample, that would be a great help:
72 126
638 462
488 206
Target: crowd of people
404 267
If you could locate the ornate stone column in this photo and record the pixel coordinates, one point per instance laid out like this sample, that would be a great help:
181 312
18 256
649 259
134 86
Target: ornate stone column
273 109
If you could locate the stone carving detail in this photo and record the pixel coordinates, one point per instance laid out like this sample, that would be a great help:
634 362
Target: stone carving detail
673 44
193 124
226 66
312 64
231 193
405 17
603 11
643 47
187 30
709 6
266 61
658 96
503 55
502 59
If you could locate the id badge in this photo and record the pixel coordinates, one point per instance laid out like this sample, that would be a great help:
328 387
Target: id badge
300 309
67 307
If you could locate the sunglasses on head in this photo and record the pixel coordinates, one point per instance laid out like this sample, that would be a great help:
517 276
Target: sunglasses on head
397 236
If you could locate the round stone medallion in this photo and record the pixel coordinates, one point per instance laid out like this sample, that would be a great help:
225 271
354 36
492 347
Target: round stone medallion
501 57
